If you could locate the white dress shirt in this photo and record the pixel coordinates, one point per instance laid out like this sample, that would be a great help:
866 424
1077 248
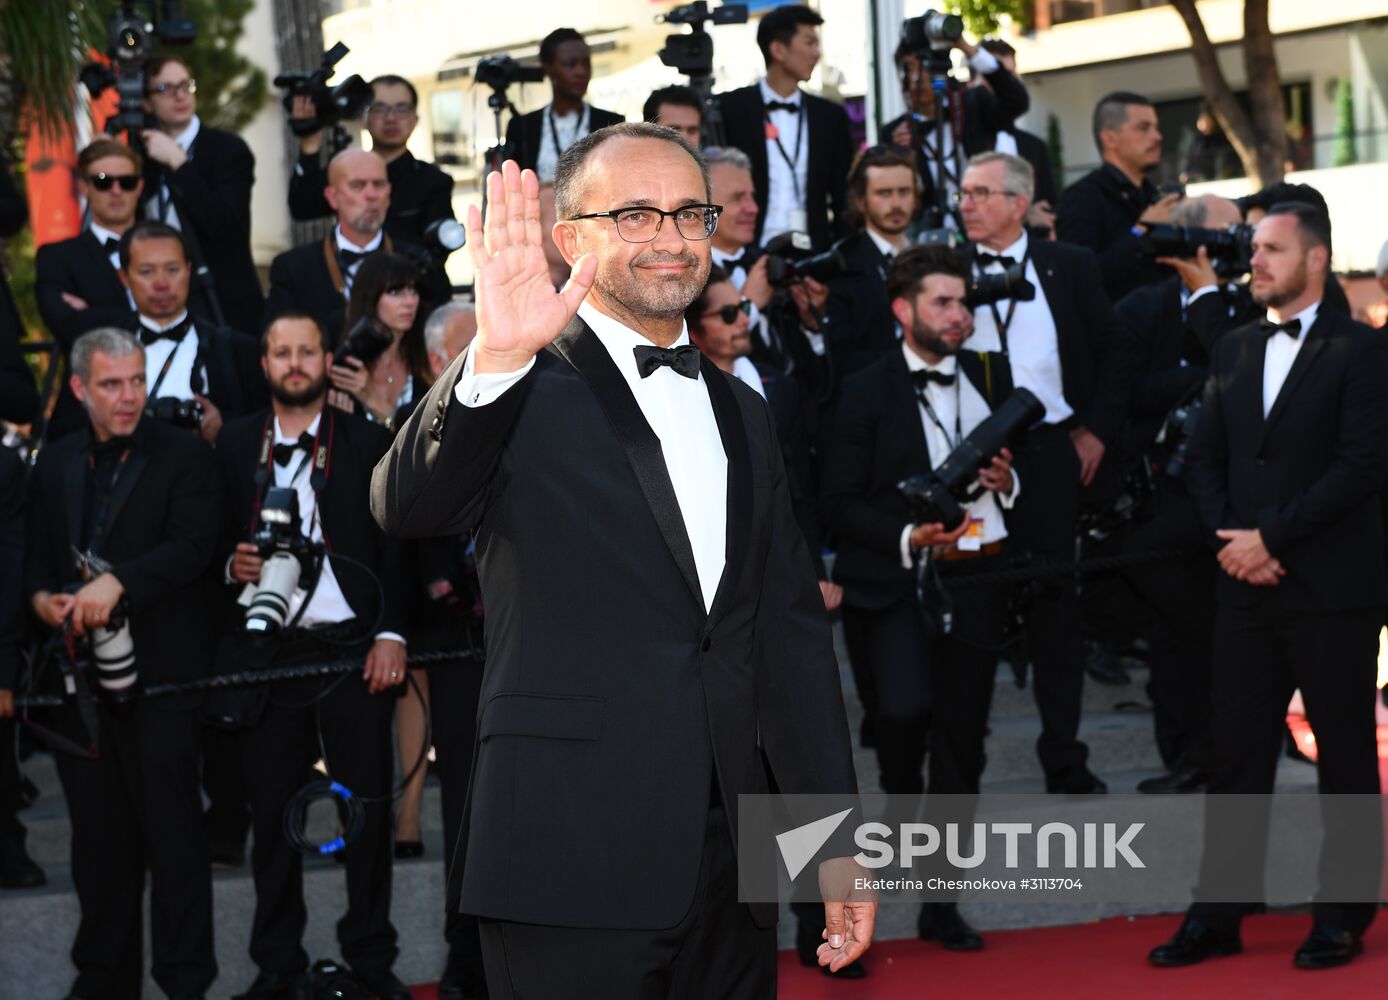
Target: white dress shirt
178 380
746 372
1033 346
967 402
680 413
161 206
103 236
785 194
570 128
343 243
1281 354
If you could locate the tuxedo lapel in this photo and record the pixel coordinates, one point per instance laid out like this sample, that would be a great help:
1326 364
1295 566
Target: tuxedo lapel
98 264
130 474
734 434
580 347
1305 357
901 397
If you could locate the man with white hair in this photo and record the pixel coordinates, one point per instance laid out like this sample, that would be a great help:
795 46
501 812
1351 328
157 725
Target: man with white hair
450 328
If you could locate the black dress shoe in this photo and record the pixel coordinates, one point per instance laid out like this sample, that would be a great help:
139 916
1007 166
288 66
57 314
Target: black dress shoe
1181 780
17 869
462 979
226 854
941 922
385 984
1327 947
277 986
1101 664
1081 782
406 850
1193 943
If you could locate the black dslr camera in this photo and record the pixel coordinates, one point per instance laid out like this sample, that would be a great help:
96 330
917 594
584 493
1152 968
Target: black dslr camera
331 104
185 414
289 555
499 72
364 342
930 37
789 258
1230 250
989 288
940 496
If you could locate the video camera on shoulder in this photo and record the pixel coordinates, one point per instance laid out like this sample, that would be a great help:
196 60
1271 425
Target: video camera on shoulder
288 555
1230 250
365 341
130 38
331 104
185 414
790 258
941 495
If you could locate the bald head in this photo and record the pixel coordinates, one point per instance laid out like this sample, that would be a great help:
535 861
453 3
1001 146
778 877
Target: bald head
1209 211
359 193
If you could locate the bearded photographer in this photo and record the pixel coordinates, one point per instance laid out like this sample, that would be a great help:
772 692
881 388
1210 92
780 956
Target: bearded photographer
420 192
900 417
196 374
139 501
198 179
347 606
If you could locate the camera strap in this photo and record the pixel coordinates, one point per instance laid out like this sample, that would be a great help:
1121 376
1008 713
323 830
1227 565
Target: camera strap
318 478
924 399
791 161
336 272
103 512
1004 324
581 128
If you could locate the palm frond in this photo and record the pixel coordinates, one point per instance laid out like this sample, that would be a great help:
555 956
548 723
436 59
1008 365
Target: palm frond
45 44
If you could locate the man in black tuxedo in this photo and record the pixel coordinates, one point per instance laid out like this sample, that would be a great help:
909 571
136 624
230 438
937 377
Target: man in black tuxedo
537 140
77 281
677 107
1109 208
859 327
1020 142
187 357
198 179
599 846
800 144
1285 468
984 113
1064 343
420 192
353 606
143 498
900 417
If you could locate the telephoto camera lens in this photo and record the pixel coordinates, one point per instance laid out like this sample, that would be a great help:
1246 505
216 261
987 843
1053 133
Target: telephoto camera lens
113 654
269 608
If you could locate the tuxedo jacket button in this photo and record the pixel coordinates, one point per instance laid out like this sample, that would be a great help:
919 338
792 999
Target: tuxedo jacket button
706 644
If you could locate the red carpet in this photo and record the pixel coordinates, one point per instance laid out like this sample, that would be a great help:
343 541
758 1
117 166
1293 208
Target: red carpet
1092 962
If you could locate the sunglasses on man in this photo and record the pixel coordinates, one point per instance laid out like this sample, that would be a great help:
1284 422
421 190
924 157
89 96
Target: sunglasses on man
103 181
728 314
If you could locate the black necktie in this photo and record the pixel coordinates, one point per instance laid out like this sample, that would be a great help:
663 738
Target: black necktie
924 376
176 333
684 360
790 106
111 244
1292 328
284 453
350 258
984 259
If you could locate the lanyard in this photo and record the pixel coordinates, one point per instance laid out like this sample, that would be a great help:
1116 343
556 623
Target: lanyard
1005 324
799 138
194 375
104 511
554 132
265 467
924 398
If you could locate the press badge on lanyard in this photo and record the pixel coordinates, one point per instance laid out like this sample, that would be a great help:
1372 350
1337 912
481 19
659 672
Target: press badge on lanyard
972 538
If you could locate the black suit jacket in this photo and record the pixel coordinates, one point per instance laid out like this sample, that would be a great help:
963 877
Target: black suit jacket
874 439
19 399
343 510
212 192
831 150
523 133
859 326
420 193
1034 150
610 693
161 536
13 485
235 381
1098 211
1308 476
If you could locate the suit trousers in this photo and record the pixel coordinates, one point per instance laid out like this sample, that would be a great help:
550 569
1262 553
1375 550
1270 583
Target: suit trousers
717 950
1262 655
1042 525
11 787
137 808
279 753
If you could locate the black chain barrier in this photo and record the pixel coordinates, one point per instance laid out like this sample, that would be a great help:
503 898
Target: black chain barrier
1084 567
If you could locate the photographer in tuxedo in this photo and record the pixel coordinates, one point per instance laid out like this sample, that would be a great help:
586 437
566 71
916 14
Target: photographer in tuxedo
599 843
800 144
1065 344
187 358
1285 467
352 607
537 140
142 497
420 192
198 179
1108 209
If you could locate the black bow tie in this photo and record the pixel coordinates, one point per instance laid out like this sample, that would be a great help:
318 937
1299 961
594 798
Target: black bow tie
176 333
684 360
790 106
110 244
924 376
1292 328
284 453
350 258
745 261
984 259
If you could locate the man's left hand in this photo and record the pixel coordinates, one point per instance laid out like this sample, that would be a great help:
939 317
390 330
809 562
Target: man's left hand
385 665
93 604
832 594
997 475
1246 558
6 704
809 297
1091 452
162 148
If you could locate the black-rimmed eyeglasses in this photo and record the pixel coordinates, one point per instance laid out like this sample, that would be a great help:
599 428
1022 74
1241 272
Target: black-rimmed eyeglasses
642 225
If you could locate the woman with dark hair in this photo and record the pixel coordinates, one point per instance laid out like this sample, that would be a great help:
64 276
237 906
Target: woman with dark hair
385 389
